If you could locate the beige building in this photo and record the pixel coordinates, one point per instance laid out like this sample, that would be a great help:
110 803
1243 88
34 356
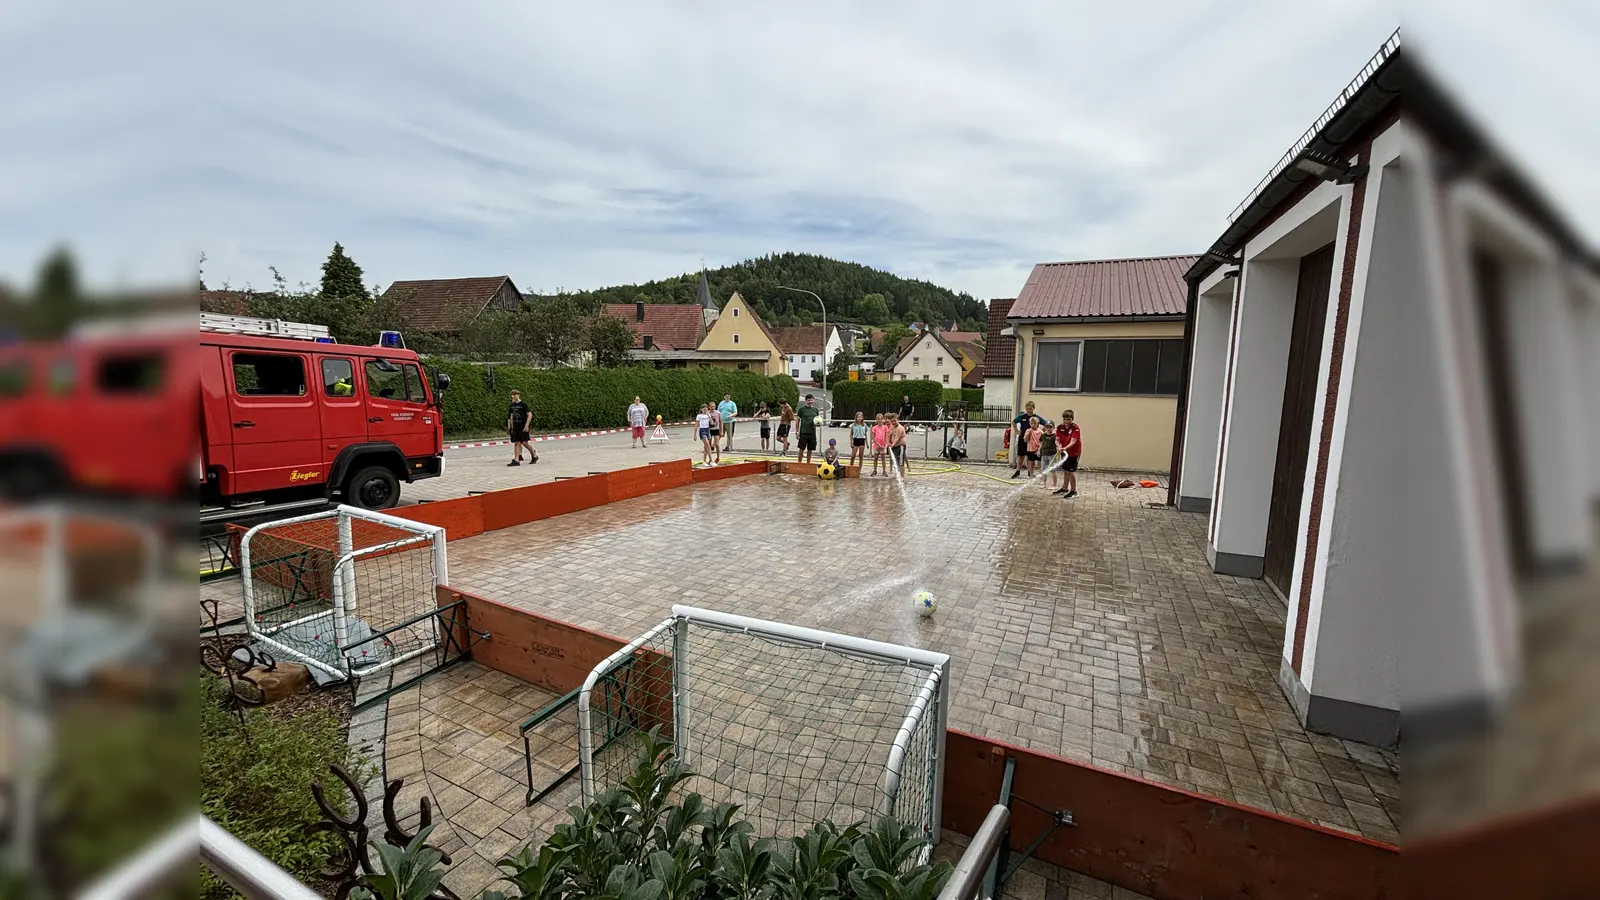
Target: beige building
924 357
1105 340
738 328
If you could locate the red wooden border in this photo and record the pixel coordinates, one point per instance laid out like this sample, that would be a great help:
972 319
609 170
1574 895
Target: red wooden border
641 480
733 471
1159 840
1544 853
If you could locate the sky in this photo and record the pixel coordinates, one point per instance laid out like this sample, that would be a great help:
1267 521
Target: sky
575 146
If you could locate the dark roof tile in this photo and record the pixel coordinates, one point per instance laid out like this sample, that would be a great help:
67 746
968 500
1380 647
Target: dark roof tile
444 304
1152 286
671 326
999 351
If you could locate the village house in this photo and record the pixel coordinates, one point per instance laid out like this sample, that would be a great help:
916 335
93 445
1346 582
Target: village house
447 305
923 357
999 358
1104 338
806 349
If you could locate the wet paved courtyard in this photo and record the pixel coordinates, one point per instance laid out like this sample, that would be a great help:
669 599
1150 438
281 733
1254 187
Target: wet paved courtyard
1091 628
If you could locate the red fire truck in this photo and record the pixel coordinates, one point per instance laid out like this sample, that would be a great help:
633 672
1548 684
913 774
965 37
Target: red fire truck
286 418
289 418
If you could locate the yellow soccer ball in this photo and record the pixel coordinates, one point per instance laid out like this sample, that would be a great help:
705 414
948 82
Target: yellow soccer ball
825 471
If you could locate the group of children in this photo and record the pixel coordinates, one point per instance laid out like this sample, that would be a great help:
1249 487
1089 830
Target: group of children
1064 443
708 426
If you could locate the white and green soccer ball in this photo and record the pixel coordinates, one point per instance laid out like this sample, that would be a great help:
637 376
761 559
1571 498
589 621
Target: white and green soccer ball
924 603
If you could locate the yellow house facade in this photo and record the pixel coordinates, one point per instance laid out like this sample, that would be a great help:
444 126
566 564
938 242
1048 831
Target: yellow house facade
1105 340
738 328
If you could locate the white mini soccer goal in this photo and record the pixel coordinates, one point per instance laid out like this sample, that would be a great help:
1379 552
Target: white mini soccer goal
795 725
347 592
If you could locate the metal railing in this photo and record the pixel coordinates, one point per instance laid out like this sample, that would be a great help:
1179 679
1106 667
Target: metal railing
972 871
1388 49
170 856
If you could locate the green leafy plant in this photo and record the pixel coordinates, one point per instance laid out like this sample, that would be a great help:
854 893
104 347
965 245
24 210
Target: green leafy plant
411 872
637 842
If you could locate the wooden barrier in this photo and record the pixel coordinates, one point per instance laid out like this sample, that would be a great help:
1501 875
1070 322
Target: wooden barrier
641 480
460 518
1543 853
541 651
730 471
1159 840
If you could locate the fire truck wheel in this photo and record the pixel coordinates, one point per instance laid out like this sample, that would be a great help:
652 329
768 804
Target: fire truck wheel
372 487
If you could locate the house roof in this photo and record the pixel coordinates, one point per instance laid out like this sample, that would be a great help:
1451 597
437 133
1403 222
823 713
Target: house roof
671 326
1105 288
702 355
999 350
972 350
444 304
974 378
807 339
954 336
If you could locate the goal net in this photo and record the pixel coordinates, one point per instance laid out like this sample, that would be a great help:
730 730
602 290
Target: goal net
347 592
797 726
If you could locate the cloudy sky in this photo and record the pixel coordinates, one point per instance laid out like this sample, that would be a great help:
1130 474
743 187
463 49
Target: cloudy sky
579 145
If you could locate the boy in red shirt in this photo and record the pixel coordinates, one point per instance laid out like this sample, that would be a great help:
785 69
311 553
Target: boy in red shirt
1069 439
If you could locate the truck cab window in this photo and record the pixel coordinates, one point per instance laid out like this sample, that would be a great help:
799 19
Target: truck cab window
269 375
131 373
385 380
415 391
338 378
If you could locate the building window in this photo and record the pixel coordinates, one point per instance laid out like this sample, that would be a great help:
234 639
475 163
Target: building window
926 377
1152 367
938 360
794 373
928 346
916 360
736 337
1055 365
744 365
947 379
736 312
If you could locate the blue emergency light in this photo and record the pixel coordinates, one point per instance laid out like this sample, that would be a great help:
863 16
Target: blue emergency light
391 339
324 340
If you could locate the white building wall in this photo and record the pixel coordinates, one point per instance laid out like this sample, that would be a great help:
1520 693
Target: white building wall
1208 367
928 360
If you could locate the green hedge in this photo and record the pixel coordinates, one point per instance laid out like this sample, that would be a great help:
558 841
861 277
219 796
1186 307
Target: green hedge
972 396
595 398
872 397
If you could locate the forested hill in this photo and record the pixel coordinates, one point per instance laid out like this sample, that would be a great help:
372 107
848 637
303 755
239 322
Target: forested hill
853 292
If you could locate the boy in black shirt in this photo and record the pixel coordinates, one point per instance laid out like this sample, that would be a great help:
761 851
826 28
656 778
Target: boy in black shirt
517 420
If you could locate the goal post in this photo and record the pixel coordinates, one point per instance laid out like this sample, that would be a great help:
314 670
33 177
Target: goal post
794 724
346 591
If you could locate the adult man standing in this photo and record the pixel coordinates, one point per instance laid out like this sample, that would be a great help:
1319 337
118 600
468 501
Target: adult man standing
638 414
808 429
728 409
518 419
906 409
1019 427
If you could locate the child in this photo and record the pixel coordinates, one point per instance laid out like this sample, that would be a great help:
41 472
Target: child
764 418
1047 455
1032 441
785 421
1070 438
831 455
897 442
858 440
702 425
716 431
957 451
880 445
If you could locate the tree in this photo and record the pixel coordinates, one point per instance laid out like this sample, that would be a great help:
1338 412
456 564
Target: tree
839 366
57 300
873 309
892 336
609 339
341 277
553 329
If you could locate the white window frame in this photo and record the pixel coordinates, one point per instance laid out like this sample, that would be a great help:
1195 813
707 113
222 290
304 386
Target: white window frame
916 360
938 360
736 337
736 312
1077 376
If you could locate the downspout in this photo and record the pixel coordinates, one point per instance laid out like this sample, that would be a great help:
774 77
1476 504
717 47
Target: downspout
1180 421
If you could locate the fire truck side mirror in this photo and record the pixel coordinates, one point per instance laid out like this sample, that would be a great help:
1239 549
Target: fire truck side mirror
441 382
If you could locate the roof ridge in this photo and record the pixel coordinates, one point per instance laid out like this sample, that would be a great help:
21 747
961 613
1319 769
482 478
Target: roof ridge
1120 259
